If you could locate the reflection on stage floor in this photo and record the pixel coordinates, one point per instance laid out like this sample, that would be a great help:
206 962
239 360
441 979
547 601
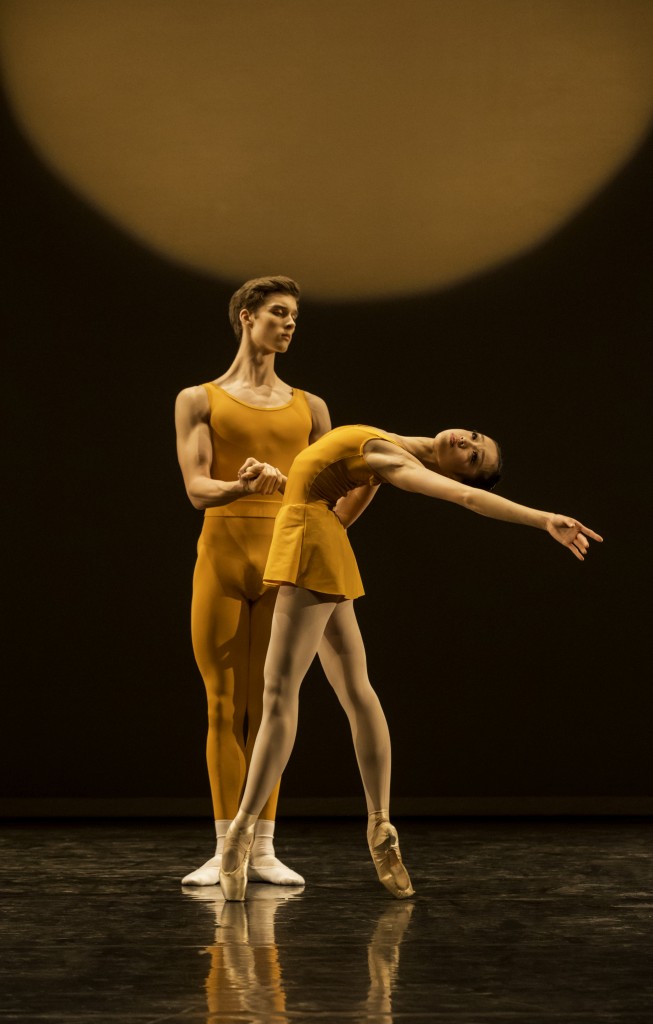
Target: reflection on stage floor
522 921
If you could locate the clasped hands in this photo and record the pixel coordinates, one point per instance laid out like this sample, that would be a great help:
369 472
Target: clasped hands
260 477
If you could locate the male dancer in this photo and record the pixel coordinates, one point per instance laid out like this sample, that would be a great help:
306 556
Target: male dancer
248 412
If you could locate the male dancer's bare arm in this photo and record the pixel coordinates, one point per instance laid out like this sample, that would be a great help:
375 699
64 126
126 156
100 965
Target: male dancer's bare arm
195 456
407 473
320 416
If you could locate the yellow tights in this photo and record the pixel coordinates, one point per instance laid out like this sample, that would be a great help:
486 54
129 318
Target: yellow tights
230 625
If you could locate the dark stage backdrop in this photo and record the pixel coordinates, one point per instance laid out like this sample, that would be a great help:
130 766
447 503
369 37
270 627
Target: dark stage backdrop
513 677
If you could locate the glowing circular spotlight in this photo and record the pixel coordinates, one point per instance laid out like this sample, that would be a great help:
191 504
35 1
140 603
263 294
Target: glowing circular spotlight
367 147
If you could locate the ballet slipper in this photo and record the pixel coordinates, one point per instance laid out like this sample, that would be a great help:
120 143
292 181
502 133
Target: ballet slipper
209 872
383 842
264 865
237 847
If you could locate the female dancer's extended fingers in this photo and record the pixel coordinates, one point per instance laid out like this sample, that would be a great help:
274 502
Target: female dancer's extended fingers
590 533
575 544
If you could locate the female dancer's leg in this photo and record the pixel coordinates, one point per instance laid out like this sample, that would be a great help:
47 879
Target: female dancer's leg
342 655
300 621
343 659
261 613
300 618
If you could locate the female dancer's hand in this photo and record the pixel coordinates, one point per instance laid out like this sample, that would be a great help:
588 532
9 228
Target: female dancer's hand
260 477
571 534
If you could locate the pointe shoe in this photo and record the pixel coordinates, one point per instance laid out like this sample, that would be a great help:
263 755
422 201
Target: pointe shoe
383 842
234 883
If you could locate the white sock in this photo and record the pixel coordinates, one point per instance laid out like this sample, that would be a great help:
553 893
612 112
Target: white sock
209 872
264 866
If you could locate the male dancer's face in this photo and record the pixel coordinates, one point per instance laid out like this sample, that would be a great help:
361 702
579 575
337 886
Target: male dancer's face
273 324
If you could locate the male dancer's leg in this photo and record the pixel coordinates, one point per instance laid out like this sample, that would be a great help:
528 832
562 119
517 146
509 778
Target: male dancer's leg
220 631
220 628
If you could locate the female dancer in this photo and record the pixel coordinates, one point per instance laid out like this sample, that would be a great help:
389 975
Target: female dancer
246 411
312 560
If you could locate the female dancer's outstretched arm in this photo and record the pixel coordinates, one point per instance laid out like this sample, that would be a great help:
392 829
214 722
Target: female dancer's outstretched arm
406 472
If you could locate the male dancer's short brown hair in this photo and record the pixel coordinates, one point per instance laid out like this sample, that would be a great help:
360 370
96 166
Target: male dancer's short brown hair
253 293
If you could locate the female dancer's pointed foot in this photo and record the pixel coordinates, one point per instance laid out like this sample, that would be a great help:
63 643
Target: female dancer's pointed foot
384 846
235 858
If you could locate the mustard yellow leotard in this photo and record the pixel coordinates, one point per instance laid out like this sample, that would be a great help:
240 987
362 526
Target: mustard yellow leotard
232 609
310 547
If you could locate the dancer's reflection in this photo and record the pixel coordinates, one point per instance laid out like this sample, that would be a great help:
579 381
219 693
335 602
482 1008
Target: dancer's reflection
245 975
383 962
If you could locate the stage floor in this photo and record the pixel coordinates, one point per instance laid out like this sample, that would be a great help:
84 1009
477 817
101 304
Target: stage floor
526 921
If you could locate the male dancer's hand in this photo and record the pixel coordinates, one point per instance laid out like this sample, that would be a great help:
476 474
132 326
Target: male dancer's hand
261 477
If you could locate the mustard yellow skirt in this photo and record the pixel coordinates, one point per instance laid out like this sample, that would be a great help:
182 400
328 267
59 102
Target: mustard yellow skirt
310 548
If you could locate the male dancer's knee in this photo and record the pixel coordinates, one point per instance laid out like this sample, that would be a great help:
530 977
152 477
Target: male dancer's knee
221 712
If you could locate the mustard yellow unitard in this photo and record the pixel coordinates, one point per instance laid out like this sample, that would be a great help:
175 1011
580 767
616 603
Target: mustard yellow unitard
231 608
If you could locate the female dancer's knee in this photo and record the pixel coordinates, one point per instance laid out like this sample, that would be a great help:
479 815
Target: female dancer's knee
280 695
359 699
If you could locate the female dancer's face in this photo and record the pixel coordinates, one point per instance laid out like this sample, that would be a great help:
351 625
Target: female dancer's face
464 454
272 325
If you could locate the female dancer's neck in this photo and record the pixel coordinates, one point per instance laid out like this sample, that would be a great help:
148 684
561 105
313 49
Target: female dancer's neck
420 447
